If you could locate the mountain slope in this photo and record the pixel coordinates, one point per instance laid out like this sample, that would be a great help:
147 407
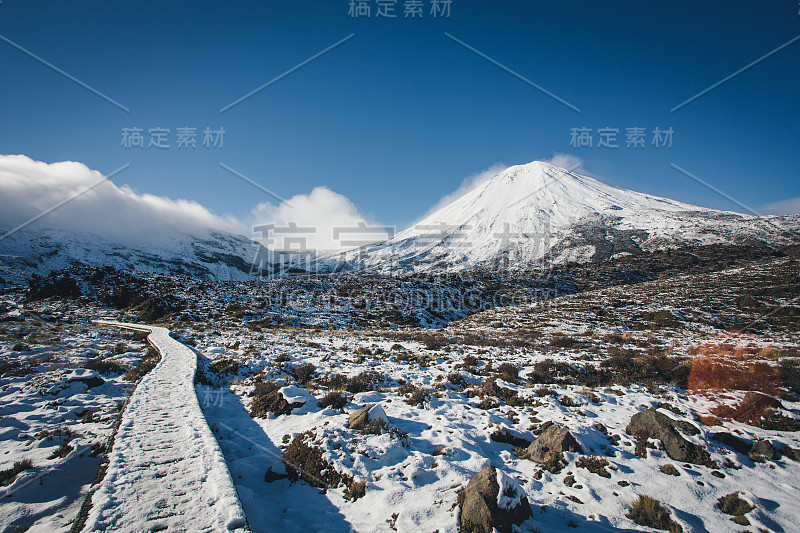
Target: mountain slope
538 214
209 254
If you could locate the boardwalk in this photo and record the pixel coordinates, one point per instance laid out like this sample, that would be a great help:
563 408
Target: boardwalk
166 471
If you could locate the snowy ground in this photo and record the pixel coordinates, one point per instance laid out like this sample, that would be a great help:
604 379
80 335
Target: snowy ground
448 439
587 361
50 416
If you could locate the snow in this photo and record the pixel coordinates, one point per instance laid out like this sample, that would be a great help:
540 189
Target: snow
166 470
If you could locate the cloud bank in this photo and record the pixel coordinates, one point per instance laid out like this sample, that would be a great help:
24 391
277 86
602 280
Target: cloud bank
116 212
790 206
29 188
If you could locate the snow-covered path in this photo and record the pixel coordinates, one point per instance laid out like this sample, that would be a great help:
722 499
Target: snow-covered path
166 471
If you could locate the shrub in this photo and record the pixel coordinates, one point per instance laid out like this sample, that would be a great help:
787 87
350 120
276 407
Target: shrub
62 451
306 462
363 382
355 490
508 372
414 395
267 398
455 378
303 373
567 401
224 366
649 512
334 399
560 340
8 476
595 465
105 366
733 505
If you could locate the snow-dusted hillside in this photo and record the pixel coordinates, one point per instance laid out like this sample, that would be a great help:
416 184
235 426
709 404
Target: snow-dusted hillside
212 255
538 213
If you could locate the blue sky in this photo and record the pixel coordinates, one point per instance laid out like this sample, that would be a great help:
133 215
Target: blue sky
397 116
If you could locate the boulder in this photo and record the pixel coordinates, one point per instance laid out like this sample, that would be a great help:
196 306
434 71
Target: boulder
362 417
733 442
492 500
550 444
652 424
88 377
763 449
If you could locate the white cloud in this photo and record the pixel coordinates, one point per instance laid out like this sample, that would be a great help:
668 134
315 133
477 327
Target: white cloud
790 206
322 210
468 184
567 161
28 188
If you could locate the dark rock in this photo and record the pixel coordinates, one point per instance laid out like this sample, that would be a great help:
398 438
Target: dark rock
733 442
652 424
791 453
550 444
492 500
687 428
89 377
763 449
506 437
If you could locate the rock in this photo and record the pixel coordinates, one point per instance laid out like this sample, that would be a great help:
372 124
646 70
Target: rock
361 419
755 407
550 444
652 424
733 442
506 437
492 500
377 413
82 375
791 453
763 449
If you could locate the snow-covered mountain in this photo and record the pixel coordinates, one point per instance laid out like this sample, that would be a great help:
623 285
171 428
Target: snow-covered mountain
539 214
213 255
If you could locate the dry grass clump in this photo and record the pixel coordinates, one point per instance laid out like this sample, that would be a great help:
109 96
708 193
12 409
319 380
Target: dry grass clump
759 410
8 476
594 464
670 470
148 363
732 504
62 451
306 462
720 367
649 512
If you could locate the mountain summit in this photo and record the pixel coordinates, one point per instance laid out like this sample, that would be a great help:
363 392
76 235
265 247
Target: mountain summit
536 214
